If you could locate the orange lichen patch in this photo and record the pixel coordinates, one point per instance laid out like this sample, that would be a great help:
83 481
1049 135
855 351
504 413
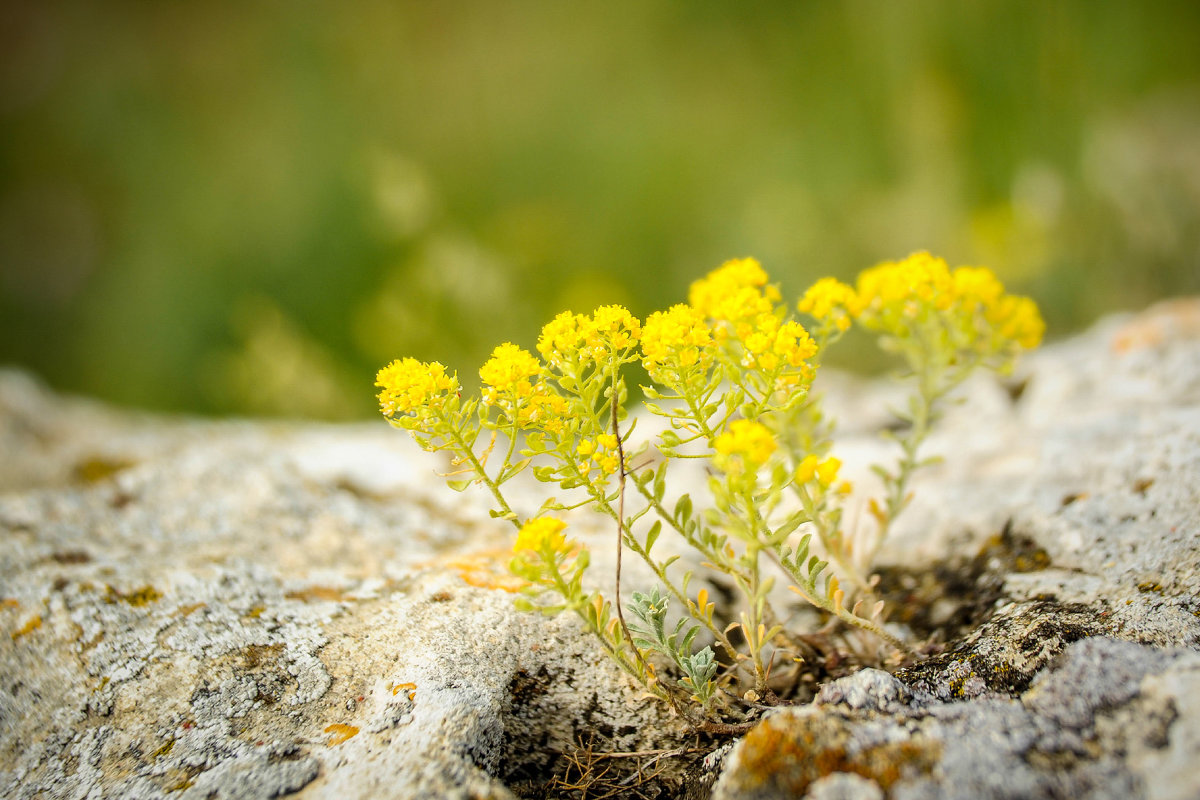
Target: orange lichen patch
1170 320
399 687
32 625
10 602
486 569
137 598
310 593
256 612
341 733
98 468
184 611
787 754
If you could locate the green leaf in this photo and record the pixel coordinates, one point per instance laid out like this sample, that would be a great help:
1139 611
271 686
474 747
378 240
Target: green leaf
793 522
683 509
652 534
660 481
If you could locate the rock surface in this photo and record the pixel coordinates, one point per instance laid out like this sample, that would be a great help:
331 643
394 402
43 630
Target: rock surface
236 609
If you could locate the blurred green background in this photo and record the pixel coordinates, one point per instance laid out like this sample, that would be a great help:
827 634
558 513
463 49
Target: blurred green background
248 207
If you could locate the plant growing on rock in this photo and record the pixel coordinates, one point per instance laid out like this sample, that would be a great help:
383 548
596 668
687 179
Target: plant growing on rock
731 373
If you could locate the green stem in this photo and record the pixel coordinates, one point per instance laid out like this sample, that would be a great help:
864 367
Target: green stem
464 448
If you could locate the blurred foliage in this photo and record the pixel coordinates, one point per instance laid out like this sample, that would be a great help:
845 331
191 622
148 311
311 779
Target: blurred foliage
249 207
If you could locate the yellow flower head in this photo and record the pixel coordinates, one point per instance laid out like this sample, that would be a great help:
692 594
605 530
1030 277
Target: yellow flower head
905 286
408 386
508 372
572 338
541 535
563 338
769 344
1017 319
599 452
967 308
545 409
744 447
793 344
976 286
823 472
737 290
831 300
614 329
675 339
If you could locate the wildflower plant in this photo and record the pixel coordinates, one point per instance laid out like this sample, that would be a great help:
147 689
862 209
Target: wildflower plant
731 373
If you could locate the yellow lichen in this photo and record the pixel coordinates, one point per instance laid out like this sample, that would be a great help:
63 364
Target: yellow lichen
137 598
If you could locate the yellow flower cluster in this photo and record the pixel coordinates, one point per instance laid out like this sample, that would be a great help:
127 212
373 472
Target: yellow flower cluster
563 337
824 472
744 447
600 452
613 330
905 286
1017 319
512 382
541 535
408 386
831 301
736 291
546 409
570 338
507 373
771 344
675 340
970 301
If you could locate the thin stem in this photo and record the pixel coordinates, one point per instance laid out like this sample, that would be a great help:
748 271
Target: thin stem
465 449
612 403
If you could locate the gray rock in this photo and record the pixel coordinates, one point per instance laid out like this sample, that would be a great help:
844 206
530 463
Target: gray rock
248 609
1097 725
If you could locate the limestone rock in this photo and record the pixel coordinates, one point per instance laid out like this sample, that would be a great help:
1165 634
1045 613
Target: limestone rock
246 609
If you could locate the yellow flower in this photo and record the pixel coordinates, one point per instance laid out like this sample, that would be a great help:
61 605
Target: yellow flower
830 299
613 329
545 409
563 338
770 344
1018 319
977 285
541 535
807 469
904 286
827 472
675 339
823 472
508 372
576 338
407 386
968 307
600 452
736 290
744 447
793 344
